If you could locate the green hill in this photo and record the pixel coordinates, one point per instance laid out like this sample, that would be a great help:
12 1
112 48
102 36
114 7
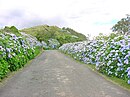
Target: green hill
63 35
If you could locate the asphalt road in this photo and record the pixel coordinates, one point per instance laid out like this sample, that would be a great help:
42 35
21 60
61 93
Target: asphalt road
53 74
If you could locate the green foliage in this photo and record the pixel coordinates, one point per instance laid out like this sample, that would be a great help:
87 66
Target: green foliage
101 36
63 35
122 26
4 68
106 37
15 50
73 32
12 29
110 54
53 43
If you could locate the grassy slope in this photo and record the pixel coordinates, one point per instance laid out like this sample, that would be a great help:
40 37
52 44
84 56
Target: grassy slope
63 35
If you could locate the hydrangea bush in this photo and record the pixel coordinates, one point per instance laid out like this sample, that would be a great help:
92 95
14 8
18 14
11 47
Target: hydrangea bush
15 51
110 56
53 43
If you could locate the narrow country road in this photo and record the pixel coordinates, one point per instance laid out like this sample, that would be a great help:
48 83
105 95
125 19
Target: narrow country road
52 74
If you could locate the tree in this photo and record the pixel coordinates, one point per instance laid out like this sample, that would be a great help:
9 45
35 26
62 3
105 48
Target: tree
101 36
122 26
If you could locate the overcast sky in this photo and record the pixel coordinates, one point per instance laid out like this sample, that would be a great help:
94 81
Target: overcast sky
85 16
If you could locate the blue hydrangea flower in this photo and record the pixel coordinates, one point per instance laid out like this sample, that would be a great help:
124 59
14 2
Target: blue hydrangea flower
97 64
128 69
119 64
128 73
1 48
128 81
126 61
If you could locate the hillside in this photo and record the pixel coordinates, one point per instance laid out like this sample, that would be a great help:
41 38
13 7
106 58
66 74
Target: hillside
63 35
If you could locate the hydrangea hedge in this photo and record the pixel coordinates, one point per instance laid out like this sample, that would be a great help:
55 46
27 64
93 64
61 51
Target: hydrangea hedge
53 43
15 51
110 56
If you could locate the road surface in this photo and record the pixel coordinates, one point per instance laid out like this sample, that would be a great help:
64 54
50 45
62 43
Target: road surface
53 74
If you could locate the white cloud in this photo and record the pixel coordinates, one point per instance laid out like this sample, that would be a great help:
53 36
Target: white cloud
86 16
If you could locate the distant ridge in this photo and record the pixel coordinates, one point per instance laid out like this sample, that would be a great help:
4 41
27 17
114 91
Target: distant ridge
63 35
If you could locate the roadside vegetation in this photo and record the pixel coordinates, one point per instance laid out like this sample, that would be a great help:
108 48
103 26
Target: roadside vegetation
16 49
62 35
110 55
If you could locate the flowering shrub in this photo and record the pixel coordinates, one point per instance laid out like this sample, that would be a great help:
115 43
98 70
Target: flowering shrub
53 43
15 51
110 57
44 45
